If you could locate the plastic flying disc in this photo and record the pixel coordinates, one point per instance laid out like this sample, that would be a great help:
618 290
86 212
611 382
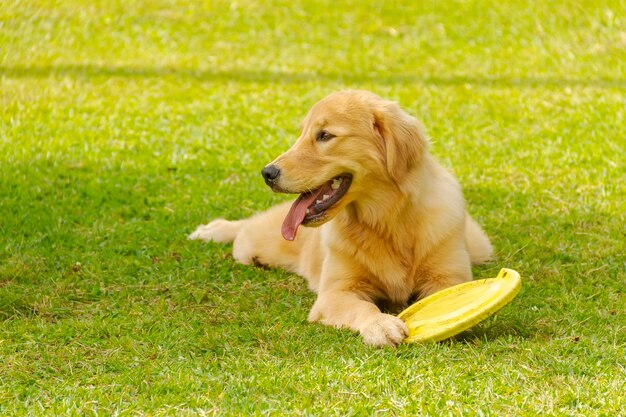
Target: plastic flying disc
455 309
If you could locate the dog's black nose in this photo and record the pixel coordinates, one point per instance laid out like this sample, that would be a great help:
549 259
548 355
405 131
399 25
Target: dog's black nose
270 173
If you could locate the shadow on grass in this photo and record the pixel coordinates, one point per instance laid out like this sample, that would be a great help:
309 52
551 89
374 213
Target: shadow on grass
282 77
502 327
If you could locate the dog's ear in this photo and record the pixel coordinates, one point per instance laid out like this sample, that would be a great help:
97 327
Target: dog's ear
403 140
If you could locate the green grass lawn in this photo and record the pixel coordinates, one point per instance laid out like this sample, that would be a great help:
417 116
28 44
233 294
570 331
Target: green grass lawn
125 124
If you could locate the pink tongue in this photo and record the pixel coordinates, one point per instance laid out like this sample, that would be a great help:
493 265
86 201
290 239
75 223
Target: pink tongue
296 214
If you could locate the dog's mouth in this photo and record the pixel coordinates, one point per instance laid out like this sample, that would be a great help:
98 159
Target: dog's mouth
312 207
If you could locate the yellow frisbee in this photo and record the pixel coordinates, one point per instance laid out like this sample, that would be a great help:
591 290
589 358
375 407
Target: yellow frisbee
455 309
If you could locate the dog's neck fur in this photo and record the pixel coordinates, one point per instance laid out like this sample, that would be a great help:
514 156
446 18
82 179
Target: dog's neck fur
368 232
396 202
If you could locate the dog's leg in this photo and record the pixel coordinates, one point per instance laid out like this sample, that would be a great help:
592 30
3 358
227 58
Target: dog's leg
345 309
345 300
257 240
218 230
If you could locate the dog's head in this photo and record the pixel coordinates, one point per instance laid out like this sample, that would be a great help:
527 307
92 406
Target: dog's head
351 142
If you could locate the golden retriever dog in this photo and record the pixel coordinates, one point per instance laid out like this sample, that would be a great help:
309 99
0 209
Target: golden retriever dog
385 223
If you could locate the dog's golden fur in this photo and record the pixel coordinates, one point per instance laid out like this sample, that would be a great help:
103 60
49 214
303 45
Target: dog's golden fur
400 231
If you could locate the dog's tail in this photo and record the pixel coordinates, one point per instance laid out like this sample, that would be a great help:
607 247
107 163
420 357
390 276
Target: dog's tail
218 230
477 242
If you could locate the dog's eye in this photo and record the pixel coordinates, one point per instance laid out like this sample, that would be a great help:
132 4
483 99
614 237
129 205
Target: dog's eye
323 136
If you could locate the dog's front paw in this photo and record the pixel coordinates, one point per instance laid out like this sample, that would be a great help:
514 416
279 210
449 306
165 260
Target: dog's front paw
384 330
219 230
